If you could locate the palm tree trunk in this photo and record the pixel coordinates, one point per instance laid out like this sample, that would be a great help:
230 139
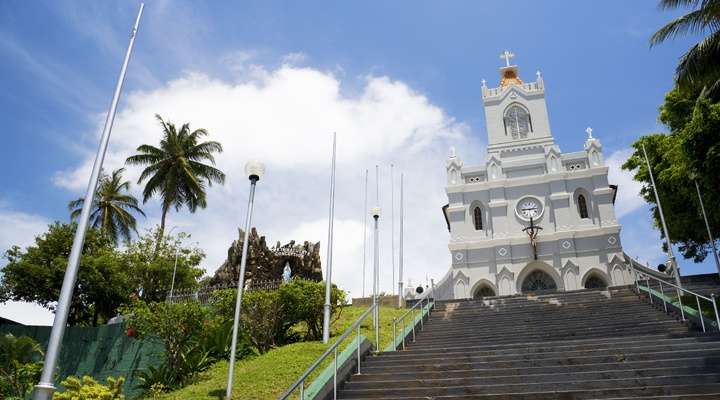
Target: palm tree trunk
161 231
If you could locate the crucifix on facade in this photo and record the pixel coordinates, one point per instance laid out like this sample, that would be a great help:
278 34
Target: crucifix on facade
532 232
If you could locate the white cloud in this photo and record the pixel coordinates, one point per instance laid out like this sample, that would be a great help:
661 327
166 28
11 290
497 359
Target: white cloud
285 117
20 229
628 196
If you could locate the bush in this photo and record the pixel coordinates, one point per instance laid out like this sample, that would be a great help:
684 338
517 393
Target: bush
181 328
20 365
88 388
305 302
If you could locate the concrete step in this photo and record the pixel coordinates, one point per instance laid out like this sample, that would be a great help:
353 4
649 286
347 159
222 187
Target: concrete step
375 366
579 344
672 392
392 382
489 327
536 352
509 337
700 361
489 389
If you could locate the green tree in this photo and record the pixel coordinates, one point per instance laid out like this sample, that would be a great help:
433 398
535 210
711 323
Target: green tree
175 171
699 66
20 365
112 207
152 263
691 152
36 274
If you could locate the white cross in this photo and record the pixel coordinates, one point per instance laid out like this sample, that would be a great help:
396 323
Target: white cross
507 56
589 132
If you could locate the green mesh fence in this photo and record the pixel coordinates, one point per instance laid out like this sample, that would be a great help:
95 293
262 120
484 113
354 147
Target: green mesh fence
98 352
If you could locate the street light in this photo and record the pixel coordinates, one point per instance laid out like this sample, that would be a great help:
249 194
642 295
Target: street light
255 170
376 270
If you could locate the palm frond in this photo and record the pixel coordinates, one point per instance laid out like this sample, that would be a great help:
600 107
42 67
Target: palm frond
693 22
700 62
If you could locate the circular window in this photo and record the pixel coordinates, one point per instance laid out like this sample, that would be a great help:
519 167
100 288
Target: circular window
529 207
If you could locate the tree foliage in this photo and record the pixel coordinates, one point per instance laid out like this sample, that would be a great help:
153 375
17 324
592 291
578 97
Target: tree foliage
691 152
175 171
152 260
698 68
20 365
107 276
112 207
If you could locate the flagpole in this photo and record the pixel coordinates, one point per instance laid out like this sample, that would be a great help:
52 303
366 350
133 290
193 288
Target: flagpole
328 260
707 226
671 255
45 388
365 214
392 225
400 255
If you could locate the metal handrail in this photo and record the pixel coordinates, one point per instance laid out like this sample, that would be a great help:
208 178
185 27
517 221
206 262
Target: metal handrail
678 290
334 350
420 303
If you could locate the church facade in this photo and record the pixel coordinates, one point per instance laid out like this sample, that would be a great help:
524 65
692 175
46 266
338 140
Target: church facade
531 218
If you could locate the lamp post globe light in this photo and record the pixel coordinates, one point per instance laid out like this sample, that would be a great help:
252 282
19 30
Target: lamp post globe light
254 170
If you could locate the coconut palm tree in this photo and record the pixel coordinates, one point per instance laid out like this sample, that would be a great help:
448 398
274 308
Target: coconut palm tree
698 67
175 171
112 207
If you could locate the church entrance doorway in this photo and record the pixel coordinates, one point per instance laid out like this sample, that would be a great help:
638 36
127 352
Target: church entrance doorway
483 291
538 281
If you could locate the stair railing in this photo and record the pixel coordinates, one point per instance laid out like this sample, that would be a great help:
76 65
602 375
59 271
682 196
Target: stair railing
642 276
417 308
333 349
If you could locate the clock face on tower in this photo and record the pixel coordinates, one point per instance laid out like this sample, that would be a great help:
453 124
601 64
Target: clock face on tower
529 207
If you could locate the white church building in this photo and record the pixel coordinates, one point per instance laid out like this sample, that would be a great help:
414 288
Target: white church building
530 218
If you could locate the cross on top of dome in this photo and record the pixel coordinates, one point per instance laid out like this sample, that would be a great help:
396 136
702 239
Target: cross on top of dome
507 55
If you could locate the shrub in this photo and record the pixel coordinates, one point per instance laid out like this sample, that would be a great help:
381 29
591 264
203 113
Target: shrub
305 302
88 388
20 365
180 327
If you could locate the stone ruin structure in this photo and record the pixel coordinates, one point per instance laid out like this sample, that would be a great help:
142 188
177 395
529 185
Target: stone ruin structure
267 264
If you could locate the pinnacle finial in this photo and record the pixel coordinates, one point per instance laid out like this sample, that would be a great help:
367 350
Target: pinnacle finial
589 132
452 152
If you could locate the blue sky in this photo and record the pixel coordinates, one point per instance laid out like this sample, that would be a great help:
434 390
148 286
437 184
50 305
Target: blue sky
61 59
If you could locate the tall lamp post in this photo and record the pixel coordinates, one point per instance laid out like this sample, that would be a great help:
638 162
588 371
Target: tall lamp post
376 279
255 170
45 388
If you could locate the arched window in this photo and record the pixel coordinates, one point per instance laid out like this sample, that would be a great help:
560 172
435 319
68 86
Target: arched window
538 281
484 291
582 206
517 121
595 282
477 218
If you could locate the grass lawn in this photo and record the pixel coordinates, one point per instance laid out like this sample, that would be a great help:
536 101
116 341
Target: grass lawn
267 376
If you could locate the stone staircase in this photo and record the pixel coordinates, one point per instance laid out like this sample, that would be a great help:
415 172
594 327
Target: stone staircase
593 344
